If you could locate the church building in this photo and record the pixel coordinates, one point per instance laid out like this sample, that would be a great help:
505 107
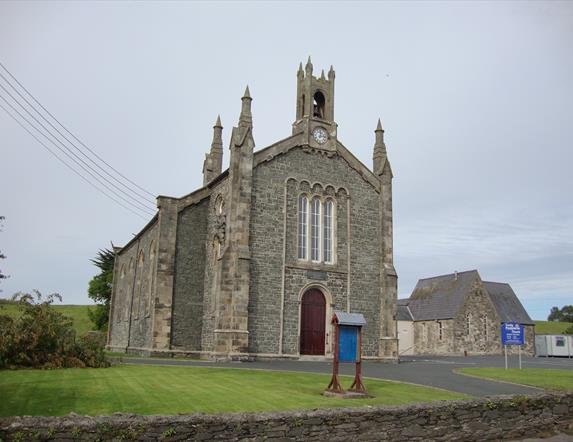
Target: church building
460 314
253 264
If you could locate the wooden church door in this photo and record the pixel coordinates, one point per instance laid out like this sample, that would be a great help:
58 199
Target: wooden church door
312 323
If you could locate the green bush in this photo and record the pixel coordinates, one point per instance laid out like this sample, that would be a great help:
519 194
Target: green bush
41 337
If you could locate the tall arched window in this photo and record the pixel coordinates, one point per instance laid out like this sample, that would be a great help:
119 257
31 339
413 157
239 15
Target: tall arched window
139 283
316 233
328 227
315 229
302 226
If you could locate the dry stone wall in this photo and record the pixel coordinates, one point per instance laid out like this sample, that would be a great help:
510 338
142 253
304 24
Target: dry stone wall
478 420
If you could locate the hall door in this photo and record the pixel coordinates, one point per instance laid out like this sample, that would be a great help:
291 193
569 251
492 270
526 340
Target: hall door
312 323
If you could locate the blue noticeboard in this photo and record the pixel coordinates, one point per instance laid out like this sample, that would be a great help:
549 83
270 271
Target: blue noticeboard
348 343
512 334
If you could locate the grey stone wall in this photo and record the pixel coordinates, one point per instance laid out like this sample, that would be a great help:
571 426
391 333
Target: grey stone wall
134 287
188 290
478 420
427 337
322 174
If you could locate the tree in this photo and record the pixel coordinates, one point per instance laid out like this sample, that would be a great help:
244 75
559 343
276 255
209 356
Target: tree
2 256
565 314
100 288
40 336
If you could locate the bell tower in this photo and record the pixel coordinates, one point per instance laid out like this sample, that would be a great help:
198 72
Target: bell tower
315 108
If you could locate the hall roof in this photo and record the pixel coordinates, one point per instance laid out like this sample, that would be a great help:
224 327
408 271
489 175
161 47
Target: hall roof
442 297
508 306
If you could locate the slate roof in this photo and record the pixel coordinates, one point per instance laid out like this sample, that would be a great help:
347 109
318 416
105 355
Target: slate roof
506 303
350 318
441 297
402 311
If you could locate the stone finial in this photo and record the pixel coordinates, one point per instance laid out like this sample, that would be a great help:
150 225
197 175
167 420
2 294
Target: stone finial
213 164
331 74
300 72
246 118
379 156
379 136
308 66
322 77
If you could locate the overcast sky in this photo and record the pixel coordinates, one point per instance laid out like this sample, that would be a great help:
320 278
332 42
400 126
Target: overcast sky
476 99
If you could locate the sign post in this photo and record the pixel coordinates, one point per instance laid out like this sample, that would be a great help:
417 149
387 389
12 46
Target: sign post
512 333
347 348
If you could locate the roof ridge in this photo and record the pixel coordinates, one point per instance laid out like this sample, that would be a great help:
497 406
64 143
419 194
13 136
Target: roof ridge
448 274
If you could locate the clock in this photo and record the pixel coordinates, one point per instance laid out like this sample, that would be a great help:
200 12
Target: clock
320 135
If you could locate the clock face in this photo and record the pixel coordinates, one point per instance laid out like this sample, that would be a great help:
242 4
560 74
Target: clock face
320 136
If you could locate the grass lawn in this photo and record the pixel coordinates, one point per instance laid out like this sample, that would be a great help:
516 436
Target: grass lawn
551 328
174 390
78 313
548 378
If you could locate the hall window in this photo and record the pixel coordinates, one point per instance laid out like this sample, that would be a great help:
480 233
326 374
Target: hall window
315 229
484 324
468 323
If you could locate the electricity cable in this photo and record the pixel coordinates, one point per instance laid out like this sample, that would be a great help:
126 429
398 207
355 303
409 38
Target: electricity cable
66 129
67 165
144 210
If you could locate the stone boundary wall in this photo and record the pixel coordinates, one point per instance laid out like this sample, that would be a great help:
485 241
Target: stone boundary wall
494 418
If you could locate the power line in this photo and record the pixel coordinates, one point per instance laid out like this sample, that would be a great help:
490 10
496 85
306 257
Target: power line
67 165
144 198
65 128
144 209
91 169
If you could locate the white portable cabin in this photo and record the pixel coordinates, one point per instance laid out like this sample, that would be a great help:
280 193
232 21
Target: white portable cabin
554 345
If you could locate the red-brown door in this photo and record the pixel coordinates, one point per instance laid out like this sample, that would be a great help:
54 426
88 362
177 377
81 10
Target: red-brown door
312 323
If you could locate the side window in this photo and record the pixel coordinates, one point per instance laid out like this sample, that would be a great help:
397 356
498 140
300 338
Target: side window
560 341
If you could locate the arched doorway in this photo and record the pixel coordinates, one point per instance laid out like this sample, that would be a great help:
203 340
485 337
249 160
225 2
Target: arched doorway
312 323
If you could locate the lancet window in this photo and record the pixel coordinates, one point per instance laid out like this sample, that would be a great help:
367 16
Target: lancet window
315 229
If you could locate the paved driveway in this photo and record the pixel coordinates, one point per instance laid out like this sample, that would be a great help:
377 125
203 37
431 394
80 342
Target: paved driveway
431 371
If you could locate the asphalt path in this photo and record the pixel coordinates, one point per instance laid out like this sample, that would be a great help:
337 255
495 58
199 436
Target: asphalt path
431 371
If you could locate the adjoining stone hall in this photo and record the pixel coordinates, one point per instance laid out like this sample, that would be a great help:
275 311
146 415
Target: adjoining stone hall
253 264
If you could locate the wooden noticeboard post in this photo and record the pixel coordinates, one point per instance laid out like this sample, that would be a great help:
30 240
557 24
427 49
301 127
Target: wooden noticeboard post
347 348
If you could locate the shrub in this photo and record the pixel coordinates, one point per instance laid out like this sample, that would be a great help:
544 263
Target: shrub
44 338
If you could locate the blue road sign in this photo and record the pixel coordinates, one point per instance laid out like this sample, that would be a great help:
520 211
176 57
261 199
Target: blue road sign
512 334
348 343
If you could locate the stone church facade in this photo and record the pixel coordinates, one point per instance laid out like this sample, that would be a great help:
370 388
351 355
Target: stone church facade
253 264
